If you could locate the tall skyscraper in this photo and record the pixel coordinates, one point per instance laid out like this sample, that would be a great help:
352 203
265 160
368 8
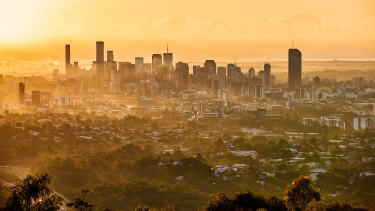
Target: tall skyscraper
156 63
100 65
168 58
99 51
267 74
35 98
21 92
139 68
230 71
109 56
294 68
68 66
210 66
182 75
221 76
251 72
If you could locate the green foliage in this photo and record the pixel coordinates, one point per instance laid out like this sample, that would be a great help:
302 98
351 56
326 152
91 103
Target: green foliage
4 191
320 206
128 195
244 201
33 193
300 193
79 203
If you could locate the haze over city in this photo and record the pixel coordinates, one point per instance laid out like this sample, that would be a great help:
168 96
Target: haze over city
222 30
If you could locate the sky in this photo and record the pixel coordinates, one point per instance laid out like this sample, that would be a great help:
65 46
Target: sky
195 30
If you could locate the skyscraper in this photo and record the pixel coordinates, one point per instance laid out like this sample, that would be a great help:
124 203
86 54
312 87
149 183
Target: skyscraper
68 66
99 65
21 92
267 74
221 76
210 66
139 68
99 51
156 63
251 72
182 75
294 68
168 58
109 56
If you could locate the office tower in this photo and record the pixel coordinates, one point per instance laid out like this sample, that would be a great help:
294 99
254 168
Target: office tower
99 51
139 68
210 66
199 75
156 63
294 68
230 71
267 74
237 74
138 62
100 65
21 92
259 92
68 66
215 86
168 58
146 69
251 72
261 75
127 72
35 98
182 75
109 56
221 76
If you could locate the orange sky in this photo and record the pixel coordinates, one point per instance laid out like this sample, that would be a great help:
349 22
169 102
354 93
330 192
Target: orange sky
195 29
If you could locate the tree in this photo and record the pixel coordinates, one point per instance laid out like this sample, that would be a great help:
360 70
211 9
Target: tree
33 193
300 193
3 193
320 206
244 201
79 203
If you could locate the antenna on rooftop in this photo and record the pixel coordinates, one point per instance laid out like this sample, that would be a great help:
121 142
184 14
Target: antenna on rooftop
292 44
167 49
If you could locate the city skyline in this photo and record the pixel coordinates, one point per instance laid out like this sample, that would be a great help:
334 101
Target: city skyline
242 30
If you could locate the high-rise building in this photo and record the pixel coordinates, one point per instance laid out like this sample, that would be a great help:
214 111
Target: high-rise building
210 66
251 72
109 56
199 75
99 51
168 58
21 92
156 63
294 68
221 76
139 68
215 86
100 65
267 74
261 75
230 71
35 98
182 75
68 65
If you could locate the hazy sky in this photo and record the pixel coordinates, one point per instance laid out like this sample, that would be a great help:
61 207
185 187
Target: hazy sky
194 29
